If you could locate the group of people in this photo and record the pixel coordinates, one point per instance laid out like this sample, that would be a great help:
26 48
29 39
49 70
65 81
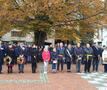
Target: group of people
11 54
58 55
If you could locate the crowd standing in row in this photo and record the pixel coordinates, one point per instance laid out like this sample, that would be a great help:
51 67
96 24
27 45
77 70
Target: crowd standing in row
58 55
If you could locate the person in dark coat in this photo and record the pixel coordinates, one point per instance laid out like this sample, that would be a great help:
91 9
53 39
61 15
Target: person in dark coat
61 56
21 52
16 52
10 53
88 58
40 54
96 56
101 51
57 46
68 56
83 58
29 51
79 54
2 54
50 50
73 56
34 58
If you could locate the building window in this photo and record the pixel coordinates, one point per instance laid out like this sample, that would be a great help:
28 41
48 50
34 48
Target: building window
17 34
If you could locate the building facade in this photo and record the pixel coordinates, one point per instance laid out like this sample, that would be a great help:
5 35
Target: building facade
101 36
17 36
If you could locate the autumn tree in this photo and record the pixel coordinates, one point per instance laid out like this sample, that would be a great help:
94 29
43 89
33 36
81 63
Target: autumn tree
68 19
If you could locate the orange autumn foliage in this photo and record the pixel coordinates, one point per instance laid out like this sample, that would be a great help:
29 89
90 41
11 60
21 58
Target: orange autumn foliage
70 19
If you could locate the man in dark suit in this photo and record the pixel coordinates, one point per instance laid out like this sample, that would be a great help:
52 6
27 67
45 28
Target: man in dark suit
88 58
79 54
34 58
96 56
61 56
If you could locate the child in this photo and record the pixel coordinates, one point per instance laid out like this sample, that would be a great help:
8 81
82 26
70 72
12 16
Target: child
46 58
54 60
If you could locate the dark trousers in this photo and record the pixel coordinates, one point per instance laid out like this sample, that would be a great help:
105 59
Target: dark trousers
87 66
0 68
9 69
68 65
78 65
21 67
34 66
105 67
53 65
95 64
58 64
28 59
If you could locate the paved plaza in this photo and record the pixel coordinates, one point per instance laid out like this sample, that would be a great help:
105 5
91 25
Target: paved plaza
50 81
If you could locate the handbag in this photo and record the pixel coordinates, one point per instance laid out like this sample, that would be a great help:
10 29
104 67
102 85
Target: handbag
105 59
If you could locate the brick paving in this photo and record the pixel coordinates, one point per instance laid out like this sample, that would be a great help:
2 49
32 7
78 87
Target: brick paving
58 81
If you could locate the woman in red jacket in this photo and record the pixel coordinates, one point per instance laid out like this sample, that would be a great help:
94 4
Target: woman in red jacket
46 58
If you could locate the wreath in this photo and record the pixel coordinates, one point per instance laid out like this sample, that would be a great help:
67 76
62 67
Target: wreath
21 60
7 60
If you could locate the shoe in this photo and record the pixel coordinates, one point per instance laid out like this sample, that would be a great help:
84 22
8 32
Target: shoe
8 72
57 71
0 72
68 71
33 72
62 71
45 72
78 72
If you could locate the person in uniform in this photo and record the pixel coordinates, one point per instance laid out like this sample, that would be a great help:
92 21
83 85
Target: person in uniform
61 56
79 54
96 56
34 58
88 58
10 53
104 57
68 56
